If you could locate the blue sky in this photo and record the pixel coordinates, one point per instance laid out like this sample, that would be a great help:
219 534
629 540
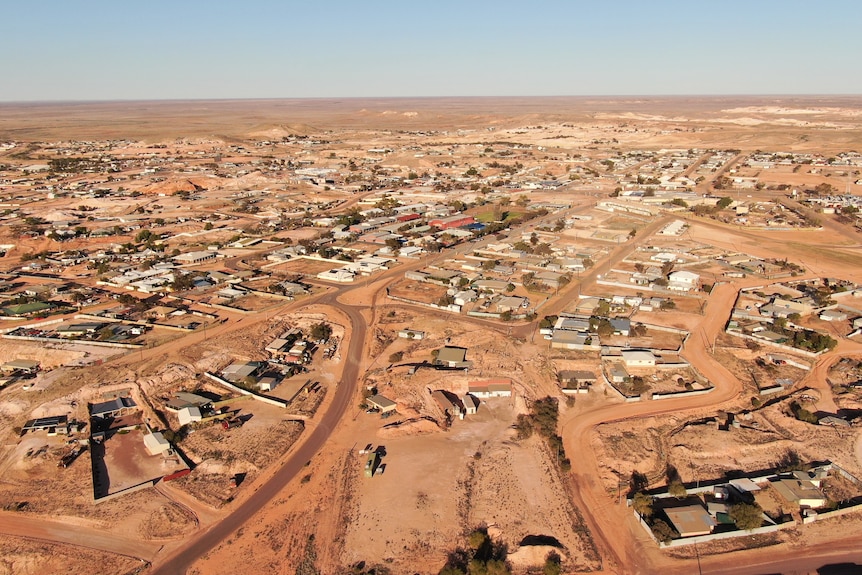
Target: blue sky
155 49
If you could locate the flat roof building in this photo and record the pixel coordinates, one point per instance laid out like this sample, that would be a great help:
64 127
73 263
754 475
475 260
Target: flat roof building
384 404
691 520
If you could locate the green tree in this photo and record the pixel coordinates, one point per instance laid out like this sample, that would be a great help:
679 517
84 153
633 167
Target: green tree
321 331
552 564
747 516
677 489
724 202
643 504
663 532
523 426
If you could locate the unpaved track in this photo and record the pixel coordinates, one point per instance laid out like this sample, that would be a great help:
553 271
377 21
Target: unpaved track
43 529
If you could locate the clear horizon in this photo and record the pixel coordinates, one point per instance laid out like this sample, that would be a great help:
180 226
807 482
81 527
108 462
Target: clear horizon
96 51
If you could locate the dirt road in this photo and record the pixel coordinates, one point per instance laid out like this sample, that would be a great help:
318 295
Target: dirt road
181 560
620 539
22 525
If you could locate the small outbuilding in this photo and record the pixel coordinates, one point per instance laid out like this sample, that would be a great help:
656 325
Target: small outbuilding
383 404
156 443
471 404
189 415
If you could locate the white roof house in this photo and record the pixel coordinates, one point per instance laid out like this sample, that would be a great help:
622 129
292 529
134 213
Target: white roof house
683 281
337 275
684 277
638 357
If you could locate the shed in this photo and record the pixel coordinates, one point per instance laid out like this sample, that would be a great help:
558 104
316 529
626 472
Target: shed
447 401
451 356
20 365
471 404
156 443
384 404
268 383
189 414
618 373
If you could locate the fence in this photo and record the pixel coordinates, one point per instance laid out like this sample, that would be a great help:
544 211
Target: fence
270 400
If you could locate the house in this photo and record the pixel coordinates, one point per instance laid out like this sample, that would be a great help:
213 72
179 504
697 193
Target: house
238 371
277 346
156 443
26 309
337 275
638 358
464 297
452 356
691 520
572 324
622 325
383 404
511 304
183 399
501 387
189 414
495 286
576 379
268 383
683 280
833 315
800 489
113 408
564 339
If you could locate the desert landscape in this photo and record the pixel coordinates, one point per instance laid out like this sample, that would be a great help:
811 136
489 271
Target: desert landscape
431 335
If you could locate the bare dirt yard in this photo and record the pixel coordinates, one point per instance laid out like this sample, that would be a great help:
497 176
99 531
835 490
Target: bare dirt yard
420 507
417 291
19 556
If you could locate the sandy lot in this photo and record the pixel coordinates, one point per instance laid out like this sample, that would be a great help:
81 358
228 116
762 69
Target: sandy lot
24 557
419 506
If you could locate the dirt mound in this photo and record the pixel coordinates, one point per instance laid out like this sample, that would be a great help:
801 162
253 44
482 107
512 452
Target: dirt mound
282 131
178 185
532 556
408 427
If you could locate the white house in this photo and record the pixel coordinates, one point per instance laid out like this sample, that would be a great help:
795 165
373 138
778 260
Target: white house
337 275
638 358
491 388
683 280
